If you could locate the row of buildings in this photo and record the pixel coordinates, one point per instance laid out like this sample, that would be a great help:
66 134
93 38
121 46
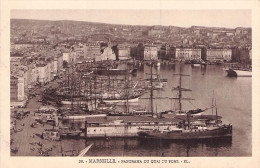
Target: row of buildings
39 64
174 53
25 77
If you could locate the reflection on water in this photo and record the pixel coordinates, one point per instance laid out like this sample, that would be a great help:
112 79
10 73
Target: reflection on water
234 101
145 147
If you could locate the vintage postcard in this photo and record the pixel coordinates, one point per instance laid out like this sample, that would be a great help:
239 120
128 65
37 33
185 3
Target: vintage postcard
130 84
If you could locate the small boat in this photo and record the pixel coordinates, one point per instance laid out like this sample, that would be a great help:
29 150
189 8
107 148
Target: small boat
112 71
131 99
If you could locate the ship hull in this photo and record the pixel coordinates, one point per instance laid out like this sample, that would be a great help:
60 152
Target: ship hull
238 73
223 131
109 101
114 71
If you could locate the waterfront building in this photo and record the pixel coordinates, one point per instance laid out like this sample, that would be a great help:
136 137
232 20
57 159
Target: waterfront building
149 53
214 55
167 52
244 54
218 54
163 52
187 53
227 54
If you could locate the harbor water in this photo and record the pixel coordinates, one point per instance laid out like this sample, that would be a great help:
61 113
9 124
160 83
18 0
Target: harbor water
234 103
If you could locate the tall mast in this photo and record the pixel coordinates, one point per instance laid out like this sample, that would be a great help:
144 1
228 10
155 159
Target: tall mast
216 111
179 91
85 98
213 102
151 93
127 103
101 91
95 90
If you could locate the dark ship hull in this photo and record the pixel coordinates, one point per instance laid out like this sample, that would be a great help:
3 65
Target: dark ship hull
114 71
221 131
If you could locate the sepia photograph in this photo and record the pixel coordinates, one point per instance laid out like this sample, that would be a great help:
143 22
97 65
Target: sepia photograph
131 83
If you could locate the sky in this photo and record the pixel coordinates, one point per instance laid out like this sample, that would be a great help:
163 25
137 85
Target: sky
183 18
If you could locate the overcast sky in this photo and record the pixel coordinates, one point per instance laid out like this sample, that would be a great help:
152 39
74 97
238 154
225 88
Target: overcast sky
182 18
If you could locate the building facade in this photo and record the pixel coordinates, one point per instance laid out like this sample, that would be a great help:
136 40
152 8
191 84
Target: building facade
92 51
108 54
149 53
187 53
44 73
123 53
13 89
219 54
66 56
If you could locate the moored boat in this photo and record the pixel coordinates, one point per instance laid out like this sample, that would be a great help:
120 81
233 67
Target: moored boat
112 71
192 124
239 72
190 134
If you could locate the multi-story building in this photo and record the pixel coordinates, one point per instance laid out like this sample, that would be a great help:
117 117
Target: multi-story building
187 53
214 55
227 54
108 54
44 73
16 57
13 89
66 56
149 53
123 52
21 93
167 52
59 59
92 51
73 57
218 54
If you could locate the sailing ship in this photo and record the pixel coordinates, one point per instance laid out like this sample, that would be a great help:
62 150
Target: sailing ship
188 125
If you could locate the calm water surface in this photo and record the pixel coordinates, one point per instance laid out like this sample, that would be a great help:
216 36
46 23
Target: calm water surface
234 102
